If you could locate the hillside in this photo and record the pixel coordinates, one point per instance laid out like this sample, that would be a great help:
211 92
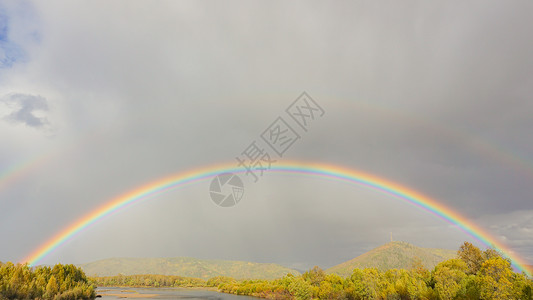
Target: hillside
185 266
394 255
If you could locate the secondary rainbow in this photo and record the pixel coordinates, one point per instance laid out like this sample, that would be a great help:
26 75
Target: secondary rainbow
307 168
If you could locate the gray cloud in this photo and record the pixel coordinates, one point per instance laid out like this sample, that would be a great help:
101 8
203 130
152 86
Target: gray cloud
433 96
24 107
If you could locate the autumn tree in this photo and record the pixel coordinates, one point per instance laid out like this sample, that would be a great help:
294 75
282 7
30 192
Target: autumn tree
51 288
364 284
314 276
495 279
449 276
472 256
300 289
522 287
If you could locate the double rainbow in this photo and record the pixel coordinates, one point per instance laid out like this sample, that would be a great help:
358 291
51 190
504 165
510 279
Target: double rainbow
306 168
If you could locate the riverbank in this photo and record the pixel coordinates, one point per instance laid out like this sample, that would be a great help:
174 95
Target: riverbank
194 293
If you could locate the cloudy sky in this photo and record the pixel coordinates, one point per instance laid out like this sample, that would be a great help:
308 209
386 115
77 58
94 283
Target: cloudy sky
97 98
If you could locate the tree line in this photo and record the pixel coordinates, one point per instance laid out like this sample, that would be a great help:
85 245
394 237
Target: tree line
473 274
148 280
60 282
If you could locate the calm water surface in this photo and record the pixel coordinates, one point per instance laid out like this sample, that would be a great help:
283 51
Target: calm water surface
109 293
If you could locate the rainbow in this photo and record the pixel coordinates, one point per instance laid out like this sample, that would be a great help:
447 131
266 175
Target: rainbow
305 168
15 172
23 168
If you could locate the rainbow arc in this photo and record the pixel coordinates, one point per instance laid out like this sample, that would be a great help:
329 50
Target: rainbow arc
304 168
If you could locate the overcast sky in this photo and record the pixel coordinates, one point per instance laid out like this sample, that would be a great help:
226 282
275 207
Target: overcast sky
100 97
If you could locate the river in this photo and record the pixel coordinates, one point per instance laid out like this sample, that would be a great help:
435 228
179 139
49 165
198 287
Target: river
109 293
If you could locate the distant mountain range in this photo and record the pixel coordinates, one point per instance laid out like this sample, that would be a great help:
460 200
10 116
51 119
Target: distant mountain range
186 266
399 255
394 255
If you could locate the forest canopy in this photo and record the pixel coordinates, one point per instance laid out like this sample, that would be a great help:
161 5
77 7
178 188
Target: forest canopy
57 282
474 274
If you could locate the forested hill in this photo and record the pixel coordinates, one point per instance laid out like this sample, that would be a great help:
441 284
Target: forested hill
185 266
394 255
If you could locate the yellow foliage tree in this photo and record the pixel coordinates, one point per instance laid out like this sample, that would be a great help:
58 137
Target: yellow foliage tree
51 288
495 279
